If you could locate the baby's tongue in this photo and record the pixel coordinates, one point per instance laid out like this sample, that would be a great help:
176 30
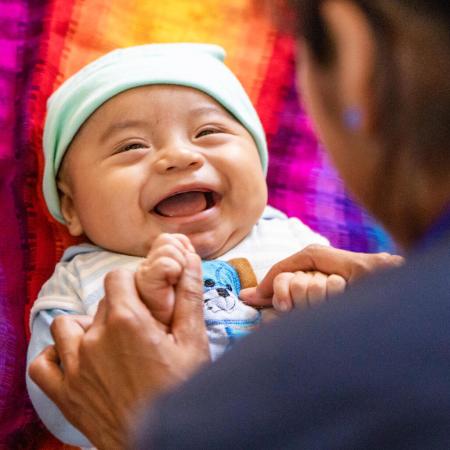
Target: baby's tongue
184 204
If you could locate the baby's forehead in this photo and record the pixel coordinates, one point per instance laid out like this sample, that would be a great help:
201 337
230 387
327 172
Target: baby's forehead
140 106
164 95
146 109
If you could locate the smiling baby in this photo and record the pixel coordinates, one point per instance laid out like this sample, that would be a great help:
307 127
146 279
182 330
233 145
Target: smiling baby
152 151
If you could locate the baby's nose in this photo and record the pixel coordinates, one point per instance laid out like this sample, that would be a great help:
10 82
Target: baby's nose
179 159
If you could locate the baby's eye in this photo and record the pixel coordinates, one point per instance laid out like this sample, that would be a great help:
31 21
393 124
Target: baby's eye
133 146
209 283
207 131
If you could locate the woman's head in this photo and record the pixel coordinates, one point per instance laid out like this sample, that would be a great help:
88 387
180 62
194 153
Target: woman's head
375 77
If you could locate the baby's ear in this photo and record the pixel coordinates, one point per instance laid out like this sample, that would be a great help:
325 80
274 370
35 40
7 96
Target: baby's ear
68 209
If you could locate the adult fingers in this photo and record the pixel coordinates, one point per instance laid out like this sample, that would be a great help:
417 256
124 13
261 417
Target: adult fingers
122 304
252 297
46 372
100 314
188 321
121 296
67 332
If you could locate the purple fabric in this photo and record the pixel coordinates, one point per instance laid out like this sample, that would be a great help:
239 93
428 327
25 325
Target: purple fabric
303 183
20 27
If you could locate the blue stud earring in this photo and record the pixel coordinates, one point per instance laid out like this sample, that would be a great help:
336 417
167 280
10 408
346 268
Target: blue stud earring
352 118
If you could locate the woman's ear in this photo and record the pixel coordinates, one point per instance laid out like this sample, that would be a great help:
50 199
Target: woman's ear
354 53
68 209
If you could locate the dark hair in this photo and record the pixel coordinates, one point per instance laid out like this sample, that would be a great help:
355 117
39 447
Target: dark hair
412 83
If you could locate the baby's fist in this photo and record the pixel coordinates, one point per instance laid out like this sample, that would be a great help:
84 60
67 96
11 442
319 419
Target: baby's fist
304 289
160 272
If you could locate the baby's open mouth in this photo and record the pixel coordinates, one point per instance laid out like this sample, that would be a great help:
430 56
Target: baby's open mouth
186 203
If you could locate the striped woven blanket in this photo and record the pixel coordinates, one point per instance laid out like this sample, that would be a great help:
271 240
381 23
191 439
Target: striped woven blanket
42 42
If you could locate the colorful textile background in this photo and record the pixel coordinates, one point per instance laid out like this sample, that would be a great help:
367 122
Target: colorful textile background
44 42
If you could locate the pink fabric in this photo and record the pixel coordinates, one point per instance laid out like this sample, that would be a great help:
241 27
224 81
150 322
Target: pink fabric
301 182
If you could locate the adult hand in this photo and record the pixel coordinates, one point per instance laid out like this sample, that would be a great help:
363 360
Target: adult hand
98 374
318 258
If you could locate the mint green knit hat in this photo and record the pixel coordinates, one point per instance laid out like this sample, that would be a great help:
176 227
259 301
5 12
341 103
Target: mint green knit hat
199 66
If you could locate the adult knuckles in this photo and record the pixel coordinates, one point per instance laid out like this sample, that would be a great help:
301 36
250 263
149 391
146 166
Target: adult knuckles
74 384
306 257
366 264
88 344
314 248
124 324
386 259
382 258
122 318
373 262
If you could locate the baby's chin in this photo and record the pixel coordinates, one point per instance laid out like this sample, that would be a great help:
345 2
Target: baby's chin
213 247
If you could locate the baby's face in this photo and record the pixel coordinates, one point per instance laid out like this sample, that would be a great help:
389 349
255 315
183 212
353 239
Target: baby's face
162 159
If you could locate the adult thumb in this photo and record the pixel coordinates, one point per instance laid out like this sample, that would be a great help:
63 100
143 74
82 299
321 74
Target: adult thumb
188 320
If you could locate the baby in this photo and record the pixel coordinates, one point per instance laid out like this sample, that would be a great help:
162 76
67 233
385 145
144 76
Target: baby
150 152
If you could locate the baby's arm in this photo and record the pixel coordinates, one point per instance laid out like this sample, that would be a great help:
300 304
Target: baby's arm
158 275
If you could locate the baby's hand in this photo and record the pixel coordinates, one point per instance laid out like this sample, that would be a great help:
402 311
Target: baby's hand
304 289
348 266
158 275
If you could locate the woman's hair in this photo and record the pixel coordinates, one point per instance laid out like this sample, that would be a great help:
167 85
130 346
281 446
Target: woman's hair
412 82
